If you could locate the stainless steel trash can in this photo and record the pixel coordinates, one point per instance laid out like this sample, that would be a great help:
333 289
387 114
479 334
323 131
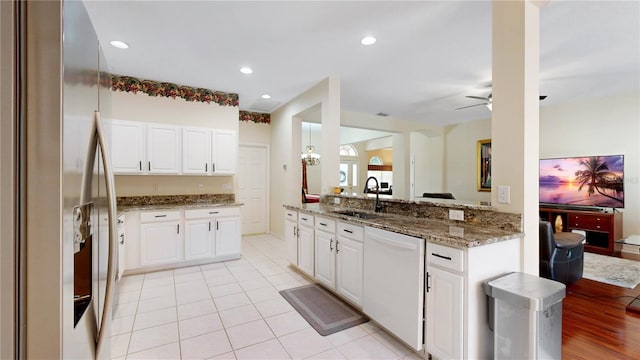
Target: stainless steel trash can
525 314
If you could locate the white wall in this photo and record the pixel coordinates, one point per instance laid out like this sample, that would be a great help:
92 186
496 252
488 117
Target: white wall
461 159
254 133
142 107
603 126
285 173
428 154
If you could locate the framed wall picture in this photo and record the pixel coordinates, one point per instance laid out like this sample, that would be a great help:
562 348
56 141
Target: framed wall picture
484 165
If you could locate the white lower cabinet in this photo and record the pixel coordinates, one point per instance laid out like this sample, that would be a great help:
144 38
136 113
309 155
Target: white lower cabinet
325 254
160 243
349 261
198 239
291 236
228 236
444 307
165 239
306 245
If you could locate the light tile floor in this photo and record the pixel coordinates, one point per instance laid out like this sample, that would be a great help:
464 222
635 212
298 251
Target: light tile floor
232 310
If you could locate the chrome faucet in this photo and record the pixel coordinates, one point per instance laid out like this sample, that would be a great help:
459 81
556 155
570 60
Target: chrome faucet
366 187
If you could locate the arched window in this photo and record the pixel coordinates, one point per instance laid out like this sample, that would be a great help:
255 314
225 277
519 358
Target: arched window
348 150
375 161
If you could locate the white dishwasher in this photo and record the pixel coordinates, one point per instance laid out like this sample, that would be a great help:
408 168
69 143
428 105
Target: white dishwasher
393 294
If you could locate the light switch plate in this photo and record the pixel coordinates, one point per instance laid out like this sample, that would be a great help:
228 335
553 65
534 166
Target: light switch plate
504 194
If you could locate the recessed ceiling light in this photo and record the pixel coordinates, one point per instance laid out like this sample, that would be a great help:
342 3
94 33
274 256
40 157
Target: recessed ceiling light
368 40
246 70
119 44
266 96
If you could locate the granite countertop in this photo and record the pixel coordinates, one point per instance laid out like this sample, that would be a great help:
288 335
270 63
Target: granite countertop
184 206
443 232
175 202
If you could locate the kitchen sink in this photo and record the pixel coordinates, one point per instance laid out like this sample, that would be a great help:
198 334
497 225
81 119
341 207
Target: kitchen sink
357 214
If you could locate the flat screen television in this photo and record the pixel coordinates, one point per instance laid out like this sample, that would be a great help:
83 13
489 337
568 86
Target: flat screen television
590 181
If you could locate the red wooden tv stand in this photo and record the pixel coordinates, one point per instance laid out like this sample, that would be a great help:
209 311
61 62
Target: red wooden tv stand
602 229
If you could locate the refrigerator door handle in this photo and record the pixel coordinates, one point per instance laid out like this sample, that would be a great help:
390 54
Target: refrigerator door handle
99 135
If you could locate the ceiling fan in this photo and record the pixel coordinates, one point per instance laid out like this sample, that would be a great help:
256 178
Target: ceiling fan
488 101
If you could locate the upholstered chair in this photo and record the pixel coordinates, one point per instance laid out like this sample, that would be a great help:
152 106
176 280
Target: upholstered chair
561 254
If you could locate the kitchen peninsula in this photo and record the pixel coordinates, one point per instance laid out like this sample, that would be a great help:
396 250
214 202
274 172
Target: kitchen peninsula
410 268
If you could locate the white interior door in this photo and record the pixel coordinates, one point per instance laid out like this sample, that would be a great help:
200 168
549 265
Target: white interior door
253 178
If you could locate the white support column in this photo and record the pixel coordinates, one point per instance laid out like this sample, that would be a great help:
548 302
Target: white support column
515 120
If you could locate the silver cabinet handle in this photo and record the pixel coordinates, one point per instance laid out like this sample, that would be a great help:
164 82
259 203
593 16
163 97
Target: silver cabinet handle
206 167
331 245
337 250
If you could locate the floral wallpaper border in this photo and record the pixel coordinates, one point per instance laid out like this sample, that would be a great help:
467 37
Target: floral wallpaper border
165 89
256 117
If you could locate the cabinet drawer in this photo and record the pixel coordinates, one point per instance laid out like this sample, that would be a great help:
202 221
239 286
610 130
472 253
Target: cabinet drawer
211 212
325 224
354 232
290 215
445 257
154 216
305 219
589 222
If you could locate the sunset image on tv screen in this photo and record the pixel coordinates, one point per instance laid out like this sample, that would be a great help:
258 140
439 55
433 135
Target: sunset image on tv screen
584 181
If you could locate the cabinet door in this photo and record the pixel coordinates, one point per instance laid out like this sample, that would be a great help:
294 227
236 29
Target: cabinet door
127 147
291 239
444 314
325 260
224 152
163 149
227 236
198 239
349 256
160 243
305 249
196 151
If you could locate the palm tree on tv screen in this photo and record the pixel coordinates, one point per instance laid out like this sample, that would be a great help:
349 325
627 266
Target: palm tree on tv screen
597 175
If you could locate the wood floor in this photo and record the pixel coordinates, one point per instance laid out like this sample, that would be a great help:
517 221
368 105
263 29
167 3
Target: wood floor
595 324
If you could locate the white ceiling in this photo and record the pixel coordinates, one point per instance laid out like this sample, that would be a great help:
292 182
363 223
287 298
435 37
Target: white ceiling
428 56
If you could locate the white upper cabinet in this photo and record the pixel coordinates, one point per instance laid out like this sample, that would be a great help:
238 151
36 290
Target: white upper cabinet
196 151
209 152
139 148
163 149
128 147
224 152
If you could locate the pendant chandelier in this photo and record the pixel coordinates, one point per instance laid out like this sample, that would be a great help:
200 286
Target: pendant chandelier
310 158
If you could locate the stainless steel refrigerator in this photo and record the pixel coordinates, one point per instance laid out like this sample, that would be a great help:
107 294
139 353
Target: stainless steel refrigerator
67 228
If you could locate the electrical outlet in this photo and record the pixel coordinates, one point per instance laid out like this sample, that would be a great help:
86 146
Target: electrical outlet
504 194
200 187
155 188
456 231
336 200
456 215
226 186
